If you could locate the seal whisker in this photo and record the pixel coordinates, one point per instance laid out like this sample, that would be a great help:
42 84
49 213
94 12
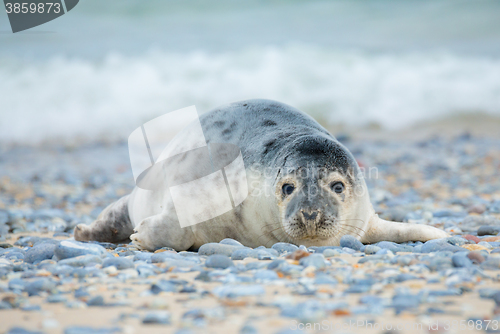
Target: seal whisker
356 227
347 230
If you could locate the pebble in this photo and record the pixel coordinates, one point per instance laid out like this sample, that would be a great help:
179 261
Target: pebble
21 330
219 261
472 238
40 252
96 301
248 329
478 208
473 247
325 279
460 260
81 261
231 242
165 257
392 246
331 252
448 213
233 291
457 241
496 298
440 245
265 275
56 299
283 247
490 239
40 285
163 286
215 248
298 254
240 254
350 242
488 230
476 257
93 330
313 260
30 308
158 317
371 249
70 249
118 262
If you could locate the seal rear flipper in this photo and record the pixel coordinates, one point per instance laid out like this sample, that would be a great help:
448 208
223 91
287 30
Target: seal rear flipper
112 225
383 230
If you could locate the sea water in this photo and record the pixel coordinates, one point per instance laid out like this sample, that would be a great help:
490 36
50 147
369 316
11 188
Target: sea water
106 67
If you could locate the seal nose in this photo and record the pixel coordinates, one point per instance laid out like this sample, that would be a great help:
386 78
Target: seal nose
310 220
310 215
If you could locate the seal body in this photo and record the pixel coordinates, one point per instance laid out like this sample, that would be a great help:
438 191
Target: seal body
304 188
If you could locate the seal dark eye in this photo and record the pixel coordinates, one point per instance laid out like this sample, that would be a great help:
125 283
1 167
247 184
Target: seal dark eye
287 189
338 187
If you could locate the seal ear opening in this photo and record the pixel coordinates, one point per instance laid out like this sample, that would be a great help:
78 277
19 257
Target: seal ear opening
384 230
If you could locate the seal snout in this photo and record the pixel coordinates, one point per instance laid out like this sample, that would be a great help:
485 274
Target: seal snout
310 220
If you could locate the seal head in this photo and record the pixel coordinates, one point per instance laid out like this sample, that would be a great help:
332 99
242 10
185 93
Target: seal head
320 192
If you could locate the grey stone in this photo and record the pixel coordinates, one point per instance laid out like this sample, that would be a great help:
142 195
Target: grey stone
488 230
118 262
215 248
40 285
232 291
371 249
40 252
265 275
219 261
159 317
460 260
96 301
70 249
240 254
91 330
81 261
231 242
283 247
313 260
350 242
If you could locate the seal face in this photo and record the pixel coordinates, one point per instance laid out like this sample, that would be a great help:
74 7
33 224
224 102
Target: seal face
304 187
315 193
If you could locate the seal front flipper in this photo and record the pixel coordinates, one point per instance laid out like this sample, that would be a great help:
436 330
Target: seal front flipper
112 225
162 230
383 230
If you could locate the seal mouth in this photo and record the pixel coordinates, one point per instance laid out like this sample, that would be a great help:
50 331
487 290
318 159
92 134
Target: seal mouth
327 231
310 226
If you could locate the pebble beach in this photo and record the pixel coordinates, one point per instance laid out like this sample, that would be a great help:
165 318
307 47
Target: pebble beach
50 283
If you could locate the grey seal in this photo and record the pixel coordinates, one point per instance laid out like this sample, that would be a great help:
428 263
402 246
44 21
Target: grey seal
305 188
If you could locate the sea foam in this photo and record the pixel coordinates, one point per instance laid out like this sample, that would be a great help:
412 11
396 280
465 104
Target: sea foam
86 100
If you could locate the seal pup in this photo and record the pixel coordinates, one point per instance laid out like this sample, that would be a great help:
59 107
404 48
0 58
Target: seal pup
304 188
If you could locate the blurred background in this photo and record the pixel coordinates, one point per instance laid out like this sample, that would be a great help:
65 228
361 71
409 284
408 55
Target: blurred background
106 67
